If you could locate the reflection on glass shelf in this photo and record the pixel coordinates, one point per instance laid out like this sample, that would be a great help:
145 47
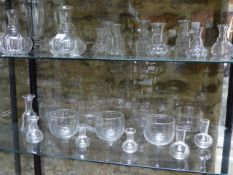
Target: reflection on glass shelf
147 156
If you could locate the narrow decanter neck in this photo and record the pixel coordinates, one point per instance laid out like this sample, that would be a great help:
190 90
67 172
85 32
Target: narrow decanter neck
12 21
204 126
197 36
158 27
223 28
184 27
130 132
65 18
28 99
33 122
180 133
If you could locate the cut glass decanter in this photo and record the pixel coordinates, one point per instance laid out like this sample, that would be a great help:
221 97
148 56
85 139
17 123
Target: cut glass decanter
34 135
130 146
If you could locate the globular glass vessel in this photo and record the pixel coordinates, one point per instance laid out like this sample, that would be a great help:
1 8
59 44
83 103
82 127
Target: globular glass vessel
158 46
100 48
130 146
222 48
179 149
203 139
118 44
66 42
28 99
82 141
197 49
183 38
13 42
143 37
34 134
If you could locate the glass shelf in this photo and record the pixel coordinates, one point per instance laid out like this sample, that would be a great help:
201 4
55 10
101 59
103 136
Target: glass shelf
148 156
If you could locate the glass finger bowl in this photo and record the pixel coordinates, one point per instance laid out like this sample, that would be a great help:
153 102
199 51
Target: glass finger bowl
159 129
63 123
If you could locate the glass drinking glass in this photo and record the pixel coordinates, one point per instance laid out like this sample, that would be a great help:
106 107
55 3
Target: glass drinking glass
63 123
203 139
110 126
179 149
82 141
34 135
159 129
100 48
118 44
130 146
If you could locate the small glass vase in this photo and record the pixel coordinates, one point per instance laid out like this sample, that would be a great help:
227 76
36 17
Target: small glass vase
13 42
183 38
100 48
130 146
34 135
222 48
28 99
179 149
118 44
203 139
66 43
82 141
158 46
197 50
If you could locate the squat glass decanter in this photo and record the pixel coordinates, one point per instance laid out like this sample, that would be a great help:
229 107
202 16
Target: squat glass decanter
66 43
197 49
34 135
100 48
222 48
179 149
130 146
118 44
13 42
158 46
183 38
28 99
82 141
203 139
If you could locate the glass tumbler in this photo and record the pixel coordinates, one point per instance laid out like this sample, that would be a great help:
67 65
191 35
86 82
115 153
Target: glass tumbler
159 129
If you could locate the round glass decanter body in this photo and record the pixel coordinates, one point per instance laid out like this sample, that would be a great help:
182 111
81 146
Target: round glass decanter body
118 44
100 48
13 42
34 134
66 43
28 99
222 48
130 146
179 149
82 141
197 49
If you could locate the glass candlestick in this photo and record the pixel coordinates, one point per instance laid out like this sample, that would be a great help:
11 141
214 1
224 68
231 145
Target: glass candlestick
130 146
179 149
203 139
34 134
82 141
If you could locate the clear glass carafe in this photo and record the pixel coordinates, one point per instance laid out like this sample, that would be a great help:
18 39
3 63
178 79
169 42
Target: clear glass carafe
82 141
100 48
66 42
130 146
179 149
13 42
158 46
118 44
197 49
28 99
183 38
34 134
143 37
222 48
203 139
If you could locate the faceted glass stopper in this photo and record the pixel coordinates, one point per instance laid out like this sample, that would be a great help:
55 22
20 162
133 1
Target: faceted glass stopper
130 146
34 134
82 141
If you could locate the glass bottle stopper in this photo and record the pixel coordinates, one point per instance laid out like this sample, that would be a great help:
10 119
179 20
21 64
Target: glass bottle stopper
130 146
82 141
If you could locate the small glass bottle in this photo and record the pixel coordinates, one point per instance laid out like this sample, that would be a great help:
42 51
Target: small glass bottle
197 49
100 48
183 38
66 42
118 44
158 46
34 135
203 139
28 99
179 149
222 48
130 146
82 141
13 42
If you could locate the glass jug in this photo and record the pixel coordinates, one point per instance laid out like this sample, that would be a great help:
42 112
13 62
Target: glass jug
34 134
130 146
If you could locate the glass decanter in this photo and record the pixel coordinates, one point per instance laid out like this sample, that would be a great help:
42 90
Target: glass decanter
143 37
197 49
203 139
66 43
118 44
158 46
34 135
179 149
222 48
100 48
130 146
183 38
82 141
28 99
13 42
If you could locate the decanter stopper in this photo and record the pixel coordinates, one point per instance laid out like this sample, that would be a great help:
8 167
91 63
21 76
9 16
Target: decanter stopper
118 44
203 139
82 141
66 43
12 42
34 134
179 149
158 46
130 146
222 48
